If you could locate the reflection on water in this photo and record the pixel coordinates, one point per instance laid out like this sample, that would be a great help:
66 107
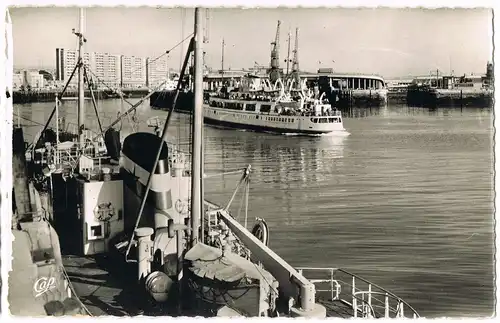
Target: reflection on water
405 199
268 154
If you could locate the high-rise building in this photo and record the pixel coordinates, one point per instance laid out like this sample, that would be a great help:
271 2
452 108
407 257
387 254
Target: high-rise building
59 64
112 70
133 71
157 72
106 68
65 63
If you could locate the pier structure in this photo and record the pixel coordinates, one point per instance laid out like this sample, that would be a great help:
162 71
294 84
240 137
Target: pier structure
339 81
452 90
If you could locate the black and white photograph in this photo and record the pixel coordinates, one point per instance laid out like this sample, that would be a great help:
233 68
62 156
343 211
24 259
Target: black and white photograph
270 162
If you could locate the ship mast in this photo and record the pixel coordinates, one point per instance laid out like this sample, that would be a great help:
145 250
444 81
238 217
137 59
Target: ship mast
81 92
288 54
197 137
222 61
295 64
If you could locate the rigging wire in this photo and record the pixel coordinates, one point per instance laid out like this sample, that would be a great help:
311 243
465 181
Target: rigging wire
94 103
183 17
120 93
179 124
178 142
70 285
33 121
230 172
133 106
174 47
87 67
163 137
59 97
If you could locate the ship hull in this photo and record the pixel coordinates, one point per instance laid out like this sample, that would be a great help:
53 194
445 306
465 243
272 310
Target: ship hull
261 128
163 100
270 122
425 96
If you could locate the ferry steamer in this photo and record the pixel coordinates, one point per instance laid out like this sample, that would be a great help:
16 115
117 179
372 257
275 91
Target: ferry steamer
309 117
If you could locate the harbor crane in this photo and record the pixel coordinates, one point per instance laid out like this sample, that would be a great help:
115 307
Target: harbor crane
295 62
274 70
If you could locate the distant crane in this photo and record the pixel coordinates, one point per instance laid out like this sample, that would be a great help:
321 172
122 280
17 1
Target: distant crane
295 62
274 70
288 60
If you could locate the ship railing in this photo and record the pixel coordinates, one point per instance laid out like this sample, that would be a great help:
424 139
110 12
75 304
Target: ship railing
333 113
63 155
71 156
366 299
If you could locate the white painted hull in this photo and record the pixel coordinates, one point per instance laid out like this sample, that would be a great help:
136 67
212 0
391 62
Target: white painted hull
269 122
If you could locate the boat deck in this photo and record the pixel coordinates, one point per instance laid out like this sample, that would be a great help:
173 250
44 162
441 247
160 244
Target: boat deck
101 292
336 309
106 287
104 293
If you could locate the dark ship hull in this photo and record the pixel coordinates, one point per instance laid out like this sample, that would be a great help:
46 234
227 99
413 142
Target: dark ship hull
163 100
425 96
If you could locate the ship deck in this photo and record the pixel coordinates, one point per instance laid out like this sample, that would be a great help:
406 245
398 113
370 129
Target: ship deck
336 309
104 292
101 292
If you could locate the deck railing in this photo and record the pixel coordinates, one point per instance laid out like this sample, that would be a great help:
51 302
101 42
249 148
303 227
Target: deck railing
365 298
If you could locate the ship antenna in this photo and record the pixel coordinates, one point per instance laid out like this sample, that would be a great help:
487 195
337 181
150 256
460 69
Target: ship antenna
197 135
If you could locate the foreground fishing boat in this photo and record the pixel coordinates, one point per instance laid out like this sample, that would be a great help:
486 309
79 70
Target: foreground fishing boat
140 205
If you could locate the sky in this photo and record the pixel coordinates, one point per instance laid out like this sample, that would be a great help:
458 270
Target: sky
390 42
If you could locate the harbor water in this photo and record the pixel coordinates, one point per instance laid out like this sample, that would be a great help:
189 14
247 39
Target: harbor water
405 200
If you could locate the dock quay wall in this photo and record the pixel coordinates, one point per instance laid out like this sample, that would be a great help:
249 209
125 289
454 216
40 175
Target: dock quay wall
33 96
432 97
